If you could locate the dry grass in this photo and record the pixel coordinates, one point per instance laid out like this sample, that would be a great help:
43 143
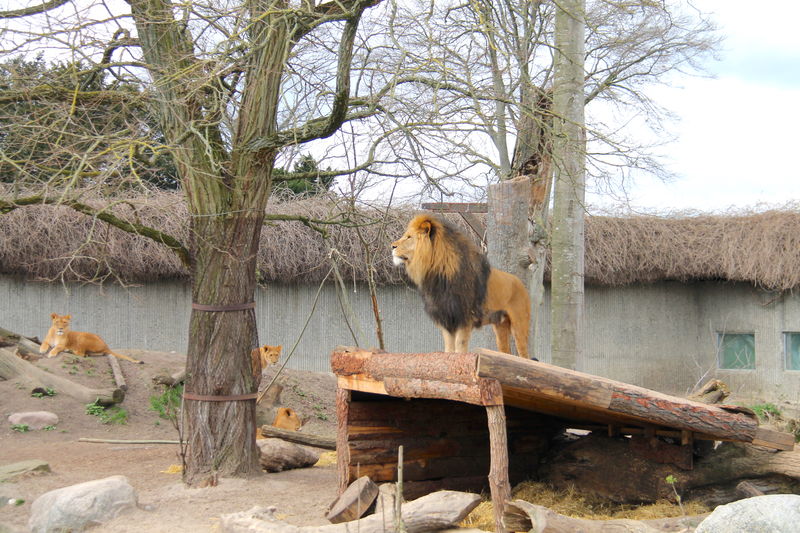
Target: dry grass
573 504
57 243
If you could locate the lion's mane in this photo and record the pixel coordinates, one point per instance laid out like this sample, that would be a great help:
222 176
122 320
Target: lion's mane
450 272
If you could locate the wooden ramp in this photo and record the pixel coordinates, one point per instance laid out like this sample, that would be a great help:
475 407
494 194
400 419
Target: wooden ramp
463 418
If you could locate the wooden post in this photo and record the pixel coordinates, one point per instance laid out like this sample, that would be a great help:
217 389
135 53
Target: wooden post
507 227
498 474
342 446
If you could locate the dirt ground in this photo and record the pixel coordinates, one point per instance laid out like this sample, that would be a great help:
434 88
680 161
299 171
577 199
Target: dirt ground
301 496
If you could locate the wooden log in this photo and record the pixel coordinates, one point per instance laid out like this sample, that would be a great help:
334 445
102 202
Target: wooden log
119 379
316 441
713 391
12 367
434 512
354 502
278 455
525 516
171 380
609 398
377 366
498 474
342 432
25 345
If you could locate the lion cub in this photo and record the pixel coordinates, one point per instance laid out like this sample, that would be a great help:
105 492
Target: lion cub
82 344
262 357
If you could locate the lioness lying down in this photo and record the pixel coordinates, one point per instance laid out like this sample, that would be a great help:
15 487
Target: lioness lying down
82 344
460 290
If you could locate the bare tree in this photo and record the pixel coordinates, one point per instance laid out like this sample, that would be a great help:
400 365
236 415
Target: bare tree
481 75
216 77
569 147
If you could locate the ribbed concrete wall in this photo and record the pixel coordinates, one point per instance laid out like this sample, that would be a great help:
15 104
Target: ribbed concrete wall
660 336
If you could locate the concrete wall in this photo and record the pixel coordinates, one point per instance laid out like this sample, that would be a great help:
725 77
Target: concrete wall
659 336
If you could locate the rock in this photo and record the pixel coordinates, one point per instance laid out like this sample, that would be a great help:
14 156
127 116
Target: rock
10 471
278 455
34 419
77 507
774 513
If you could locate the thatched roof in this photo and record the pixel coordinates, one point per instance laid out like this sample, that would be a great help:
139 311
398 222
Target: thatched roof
56 243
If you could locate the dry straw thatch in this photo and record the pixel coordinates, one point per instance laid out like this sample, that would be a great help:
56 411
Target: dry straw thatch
57 243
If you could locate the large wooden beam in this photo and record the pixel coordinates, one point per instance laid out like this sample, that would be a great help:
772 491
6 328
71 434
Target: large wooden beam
530 381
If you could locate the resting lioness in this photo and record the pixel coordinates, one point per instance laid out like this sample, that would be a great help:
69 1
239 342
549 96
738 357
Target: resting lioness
82 344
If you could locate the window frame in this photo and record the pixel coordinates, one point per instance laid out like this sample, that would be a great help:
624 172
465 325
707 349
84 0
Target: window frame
786 354
720 353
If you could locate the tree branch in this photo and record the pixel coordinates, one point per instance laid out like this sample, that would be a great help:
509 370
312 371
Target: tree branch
32 10
106 216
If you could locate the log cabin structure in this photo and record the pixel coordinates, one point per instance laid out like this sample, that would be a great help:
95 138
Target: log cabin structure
468 420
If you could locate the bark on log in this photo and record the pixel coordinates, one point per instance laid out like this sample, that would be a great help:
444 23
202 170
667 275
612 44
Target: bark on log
12 367
317 441
434 512
170 381
525 516
277 455
119 379
608 399
24 345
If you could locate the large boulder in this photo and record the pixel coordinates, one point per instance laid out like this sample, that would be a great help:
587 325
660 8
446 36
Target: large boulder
34 419
774 513
77 507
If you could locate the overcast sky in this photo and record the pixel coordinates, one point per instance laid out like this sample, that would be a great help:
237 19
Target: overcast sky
737 140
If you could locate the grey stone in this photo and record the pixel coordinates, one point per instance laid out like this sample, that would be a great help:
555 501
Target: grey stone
77 507
774 513
34 419
10 471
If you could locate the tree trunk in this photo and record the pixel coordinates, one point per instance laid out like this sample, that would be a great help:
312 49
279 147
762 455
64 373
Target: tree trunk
221 434
568 209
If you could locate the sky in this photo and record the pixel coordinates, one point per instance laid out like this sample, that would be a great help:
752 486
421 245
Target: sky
736 141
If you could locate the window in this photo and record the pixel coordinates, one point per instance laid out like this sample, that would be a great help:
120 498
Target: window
791 350
737 351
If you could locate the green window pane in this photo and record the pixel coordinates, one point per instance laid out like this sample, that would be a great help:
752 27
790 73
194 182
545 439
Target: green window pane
737 351
791 344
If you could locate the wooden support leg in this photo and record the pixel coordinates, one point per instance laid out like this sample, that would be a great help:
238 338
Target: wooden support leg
498 473
342 448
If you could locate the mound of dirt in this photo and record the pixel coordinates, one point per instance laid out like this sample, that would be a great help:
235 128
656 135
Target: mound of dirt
165 504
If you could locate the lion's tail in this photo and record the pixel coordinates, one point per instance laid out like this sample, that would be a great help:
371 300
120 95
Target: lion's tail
121 356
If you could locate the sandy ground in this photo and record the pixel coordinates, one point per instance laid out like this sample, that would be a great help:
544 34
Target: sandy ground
301 496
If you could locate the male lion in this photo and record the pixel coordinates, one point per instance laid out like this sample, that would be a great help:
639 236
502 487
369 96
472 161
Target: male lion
460 290
61 338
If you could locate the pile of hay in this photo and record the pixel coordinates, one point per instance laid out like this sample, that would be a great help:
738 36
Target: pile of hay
573 504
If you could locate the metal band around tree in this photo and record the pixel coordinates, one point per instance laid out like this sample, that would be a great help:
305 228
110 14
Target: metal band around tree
216 398
216 308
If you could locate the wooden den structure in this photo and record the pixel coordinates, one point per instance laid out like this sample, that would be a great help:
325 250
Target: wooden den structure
471 420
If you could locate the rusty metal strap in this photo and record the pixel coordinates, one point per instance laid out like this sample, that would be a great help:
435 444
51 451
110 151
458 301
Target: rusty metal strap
215 398
215 308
